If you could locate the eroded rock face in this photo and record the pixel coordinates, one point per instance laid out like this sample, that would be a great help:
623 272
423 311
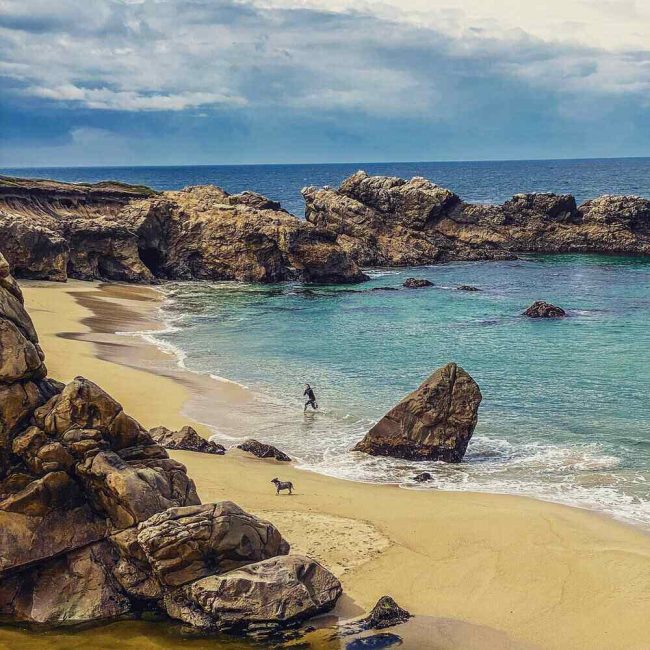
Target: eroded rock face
434 422
97 521
270 594
187 439
262 450
185 544
542 309
388 221
53 231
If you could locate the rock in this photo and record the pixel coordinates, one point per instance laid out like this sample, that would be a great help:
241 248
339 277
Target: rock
387 221
130 233
434 422
97 522
375 642
422 477
416 283
276 592
187 438
262 450
467 287
75 588
185 544
541 309
385 613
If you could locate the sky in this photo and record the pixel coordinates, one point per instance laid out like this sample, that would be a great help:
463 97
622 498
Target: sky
180 82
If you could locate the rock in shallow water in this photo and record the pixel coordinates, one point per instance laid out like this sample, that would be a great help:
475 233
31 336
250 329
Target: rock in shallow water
416 283
262 450
434 422
541 309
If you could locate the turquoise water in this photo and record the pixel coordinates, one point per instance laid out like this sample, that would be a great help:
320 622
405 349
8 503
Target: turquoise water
566 409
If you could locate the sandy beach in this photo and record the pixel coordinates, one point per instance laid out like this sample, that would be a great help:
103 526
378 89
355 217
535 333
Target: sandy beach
535 574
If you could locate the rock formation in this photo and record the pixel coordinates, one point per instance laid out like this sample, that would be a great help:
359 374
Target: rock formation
53 231
97 521
434 422
386 221
187 439
422 477
467 287
416 283
262 450
541 309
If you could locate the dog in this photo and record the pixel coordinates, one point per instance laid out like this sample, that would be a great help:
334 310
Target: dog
282 485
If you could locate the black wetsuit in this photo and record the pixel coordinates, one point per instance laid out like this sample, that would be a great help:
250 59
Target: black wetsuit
311 398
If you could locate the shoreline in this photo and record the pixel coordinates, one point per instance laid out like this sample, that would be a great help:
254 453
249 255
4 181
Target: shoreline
539 571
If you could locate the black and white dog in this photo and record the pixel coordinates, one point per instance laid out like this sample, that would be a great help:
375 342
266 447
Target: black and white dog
282 485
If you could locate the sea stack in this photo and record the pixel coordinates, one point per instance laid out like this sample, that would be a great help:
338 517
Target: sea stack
434 422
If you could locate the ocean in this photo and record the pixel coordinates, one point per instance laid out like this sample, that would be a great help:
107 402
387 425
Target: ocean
566 404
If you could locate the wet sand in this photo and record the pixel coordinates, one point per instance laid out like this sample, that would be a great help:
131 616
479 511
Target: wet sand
493 571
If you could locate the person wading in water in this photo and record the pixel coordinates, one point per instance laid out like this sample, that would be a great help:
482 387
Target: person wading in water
311 398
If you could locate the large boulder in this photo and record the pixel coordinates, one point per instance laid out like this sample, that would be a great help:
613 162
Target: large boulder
187 439
434 422
269 594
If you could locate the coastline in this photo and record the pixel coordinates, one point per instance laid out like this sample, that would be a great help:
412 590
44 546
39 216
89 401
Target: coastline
540 572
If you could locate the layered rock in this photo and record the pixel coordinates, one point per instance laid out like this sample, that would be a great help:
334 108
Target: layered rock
53 231
434 422
97 521
388 221
187 439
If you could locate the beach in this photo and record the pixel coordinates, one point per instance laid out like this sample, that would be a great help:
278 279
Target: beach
540 574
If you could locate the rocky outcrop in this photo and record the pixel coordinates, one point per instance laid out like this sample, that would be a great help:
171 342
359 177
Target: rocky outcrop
97 521
541 309
434 422
187 439
53 231
416 283
387 221
262 450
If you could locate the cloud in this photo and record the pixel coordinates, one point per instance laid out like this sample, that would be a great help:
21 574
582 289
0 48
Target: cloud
373 58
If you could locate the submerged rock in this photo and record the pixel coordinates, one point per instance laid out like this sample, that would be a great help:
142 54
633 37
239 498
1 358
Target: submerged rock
541 309
467 287
97 522
187 439
262 450
416 283
434 422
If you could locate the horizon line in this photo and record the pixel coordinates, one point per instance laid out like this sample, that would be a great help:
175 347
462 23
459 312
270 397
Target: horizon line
296 164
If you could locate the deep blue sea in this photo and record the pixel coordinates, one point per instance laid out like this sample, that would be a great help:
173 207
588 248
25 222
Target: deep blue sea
489 182
566 409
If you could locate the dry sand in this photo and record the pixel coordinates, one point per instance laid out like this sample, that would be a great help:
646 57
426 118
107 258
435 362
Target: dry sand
534 573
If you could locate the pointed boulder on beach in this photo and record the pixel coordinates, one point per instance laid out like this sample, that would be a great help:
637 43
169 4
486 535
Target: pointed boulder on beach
434 422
